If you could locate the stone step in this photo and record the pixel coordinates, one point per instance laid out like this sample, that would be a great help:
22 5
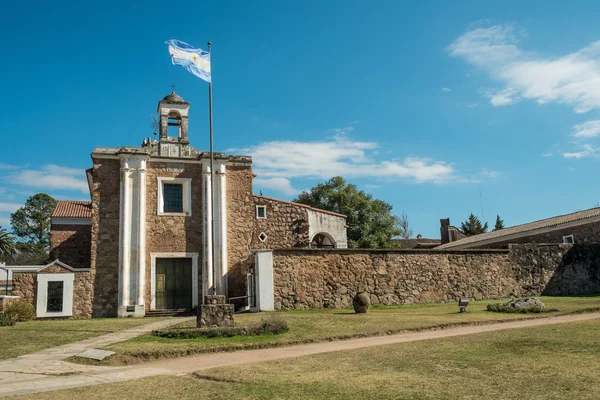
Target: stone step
179 312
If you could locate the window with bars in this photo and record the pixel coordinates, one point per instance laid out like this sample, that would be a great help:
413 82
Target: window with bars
172 197
54 302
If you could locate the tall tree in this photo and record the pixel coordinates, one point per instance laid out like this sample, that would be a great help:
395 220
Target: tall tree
31 223
371 224
473 226
406 232
7 245
499 223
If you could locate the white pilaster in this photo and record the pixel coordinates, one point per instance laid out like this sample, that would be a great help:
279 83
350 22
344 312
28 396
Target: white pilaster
132 240
221 199
207 261
141 284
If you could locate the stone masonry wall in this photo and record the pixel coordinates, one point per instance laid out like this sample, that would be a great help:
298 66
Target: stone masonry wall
71 244
104 259
286 224
25 286
312 278
240 226
168 233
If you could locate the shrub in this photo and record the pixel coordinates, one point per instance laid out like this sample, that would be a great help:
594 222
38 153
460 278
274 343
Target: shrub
272 325
19 311
5 320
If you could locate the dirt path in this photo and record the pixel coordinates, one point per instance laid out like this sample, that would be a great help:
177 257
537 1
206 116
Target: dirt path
23 383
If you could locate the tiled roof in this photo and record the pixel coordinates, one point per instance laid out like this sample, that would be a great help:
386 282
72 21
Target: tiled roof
415 243
531 226
73 209
300 205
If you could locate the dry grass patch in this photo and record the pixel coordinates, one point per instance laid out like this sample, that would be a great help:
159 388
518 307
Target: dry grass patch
32 336
548 362
334 324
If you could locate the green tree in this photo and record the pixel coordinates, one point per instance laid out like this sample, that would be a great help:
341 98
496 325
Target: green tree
7 245
31 223
499 223
472 226
371 224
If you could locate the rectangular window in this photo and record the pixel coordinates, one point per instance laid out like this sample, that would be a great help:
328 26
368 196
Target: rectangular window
569 239
54 301
261 211
173 197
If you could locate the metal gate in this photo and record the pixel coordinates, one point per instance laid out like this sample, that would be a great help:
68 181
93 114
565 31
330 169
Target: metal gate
173 283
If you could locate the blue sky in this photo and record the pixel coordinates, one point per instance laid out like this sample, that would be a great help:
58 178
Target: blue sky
423 105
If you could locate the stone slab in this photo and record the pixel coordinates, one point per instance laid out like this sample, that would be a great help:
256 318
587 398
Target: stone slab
96 354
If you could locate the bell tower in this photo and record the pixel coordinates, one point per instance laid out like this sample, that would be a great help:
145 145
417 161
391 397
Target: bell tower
174 140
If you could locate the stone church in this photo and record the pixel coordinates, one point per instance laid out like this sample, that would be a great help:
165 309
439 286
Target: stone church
143 243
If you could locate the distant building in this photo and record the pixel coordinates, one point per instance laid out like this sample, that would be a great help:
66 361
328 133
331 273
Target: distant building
574 228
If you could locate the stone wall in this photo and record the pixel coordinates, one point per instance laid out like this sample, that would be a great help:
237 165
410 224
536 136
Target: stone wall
25 286
104 259
316 278
583 234
286 224
169 233
71 244
240 226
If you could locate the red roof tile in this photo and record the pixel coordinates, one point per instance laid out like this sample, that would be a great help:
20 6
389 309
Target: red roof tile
73 209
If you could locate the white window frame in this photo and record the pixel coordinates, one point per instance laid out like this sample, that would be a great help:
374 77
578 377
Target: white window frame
42 295
265 237
265 208
572 237
186 191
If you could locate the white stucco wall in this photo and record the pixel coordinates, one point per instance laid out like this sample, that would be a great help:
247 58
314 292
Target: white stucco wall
333 225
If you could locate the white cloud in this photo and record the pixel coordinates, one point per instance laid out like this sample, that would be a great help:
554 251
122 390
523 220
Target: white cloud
473 105
343 131
281 185
489 174
368 186
588 129
446 89
587 151
339 156
10 207
572 79
51 176
548 154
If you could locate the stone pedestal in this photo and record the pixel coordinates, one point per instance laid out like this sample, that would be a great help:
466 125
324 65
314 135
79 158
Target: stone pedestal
215 312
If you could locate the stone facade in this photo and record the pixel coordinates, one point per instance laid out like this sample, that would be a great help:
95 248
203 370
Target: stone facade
71 244
25 286
286 224
104 258
318 278
172 233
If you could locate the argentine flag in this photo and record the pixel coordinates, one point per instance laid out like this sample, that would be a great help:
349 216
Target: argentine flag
197 61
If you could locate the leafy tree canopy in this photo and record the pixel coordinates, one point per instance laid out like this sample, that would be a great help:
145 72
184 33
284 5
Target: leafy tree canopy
31 223
499 223
371 224
7 245
472 226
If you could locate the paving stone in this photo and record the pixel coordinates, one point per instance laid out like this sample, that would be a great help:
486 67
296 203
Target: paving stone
96 354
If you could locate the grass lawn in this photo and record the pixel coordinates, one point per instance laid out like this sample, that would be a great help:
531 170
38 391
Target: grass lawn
334 324
32 336
548 362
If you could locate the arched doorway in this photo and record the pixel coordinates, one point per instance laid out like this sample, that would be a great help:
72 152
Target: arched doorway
322 241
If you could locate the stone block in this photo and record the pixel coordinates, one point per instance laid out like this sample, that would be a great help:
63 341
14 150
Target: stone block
215 315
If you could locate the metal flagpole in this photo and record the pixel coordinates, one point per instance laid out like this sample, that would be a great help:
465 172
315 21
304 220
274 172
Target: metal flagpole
212 185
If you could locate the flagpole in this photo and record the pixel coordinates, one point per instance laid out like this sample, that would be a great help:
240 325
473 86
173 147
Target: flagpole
212 185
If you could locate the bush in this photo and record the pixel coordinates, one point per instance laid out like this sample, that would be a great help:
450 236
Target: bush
526 305
5 320
272 325
19 311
